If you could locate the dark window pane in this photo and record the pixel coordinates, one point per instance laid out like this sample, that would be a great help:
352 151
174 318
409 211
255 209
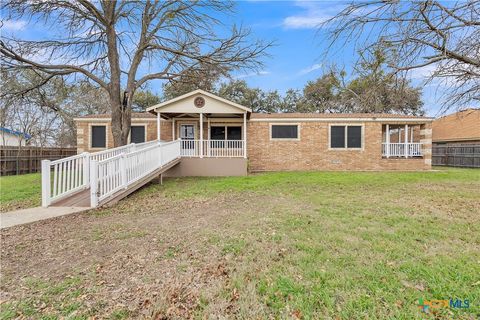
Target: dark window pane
137 134
217 133
354 136
99 134
285 132
234 133
337 136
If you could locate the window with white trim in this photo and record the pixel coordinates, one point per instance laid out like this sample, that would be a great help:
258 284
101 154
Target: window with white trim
99 136
284 131
345 137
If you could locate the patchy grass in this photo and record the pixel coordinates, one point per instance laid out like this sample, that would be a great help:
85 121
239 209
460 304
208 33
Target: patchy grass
18 192
312 245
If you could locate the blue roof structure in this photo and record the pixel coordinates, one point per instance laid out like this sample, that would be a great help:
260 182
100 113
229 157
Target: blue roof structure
16 133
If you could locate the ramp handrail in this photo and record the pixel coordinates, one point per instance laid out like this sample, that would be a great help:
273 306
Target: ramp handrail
109 153
114 174
64 177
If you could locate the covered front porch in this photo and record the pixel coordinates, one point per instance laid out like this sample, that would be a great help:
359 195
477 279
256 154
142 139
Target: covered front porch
207 126
210 135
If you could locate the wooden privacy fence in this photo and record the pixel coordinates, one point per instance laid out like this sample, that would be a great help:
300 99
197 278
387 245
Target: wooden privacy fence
456 155
15 160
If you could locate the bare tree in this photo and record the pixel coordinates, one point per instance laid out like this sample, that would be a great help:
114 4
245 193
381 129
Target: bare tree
441 36
205 78
46 110
125 44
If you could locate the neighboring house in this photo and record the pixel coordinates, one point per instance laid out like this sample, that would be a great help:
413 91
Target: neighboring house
461 127
220 137
13 138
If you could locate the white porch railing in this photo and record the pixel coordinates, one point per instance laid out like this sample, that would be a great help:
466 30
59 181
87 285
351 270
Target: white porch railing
213 148
411 149
64 177
119 172
109 153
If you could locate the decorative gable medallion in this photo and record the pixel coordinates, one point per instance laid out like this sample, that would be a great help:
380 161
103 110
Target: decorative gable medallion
199 102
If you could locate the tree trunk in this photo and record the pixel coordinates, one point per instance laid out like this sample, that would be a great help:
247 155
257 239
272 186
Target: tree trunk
120 114
117 123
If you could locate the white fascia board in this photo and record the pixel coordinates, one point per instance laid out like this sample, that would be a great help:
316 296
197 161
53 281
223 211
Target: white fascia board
109 119
342 120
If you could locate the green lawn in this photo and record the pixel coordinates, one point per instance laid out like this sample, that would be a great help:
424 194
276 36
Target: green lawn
310 245
18 192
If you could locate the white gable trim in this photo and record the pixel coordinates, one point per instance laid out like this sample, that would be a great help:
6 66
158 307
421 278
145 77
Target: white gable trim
199 91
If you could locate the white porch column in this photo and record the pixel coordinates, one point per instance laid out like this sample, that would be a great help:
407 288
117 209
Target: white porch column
173 129
406 141
158 126
209 153
245 134
201 135
387 140
208 126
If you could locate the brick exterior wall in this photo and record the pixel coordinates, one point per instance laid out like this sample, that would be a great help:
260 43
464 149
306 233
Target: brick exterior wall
312 151
84 132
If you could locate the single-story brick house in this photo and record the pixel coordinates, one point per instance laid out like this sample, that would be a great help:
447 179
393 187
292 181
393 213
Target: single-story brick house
220 137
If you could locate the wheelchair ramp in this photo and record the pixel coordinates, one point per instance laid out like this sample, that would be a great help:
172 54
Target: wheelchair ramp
92 180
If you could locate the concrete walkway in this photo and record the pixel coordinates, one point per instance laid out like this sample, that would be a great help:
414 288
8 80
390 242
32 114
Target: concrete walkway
17 217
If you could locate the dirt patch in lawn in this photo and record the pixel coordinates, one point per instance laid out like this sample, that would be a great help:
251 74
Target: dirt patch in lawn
165 260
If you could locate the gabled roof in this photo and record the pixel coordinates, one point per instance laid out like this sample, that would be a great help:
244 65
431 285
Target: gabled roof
196 92
15 133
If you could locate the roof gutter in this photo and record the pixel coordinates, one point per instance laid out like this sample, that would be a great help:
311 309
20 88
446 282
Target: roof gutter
343 119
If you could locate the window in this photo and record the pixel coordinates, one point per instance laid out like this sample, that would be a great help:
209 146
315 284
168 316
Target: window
337 136
217 133
137 134
284 131
234 133
226 133
354 137
99 136
342 137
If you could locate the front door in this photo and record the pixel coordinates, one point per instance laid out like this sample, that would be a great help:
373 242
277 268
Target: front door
187 135
187 132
